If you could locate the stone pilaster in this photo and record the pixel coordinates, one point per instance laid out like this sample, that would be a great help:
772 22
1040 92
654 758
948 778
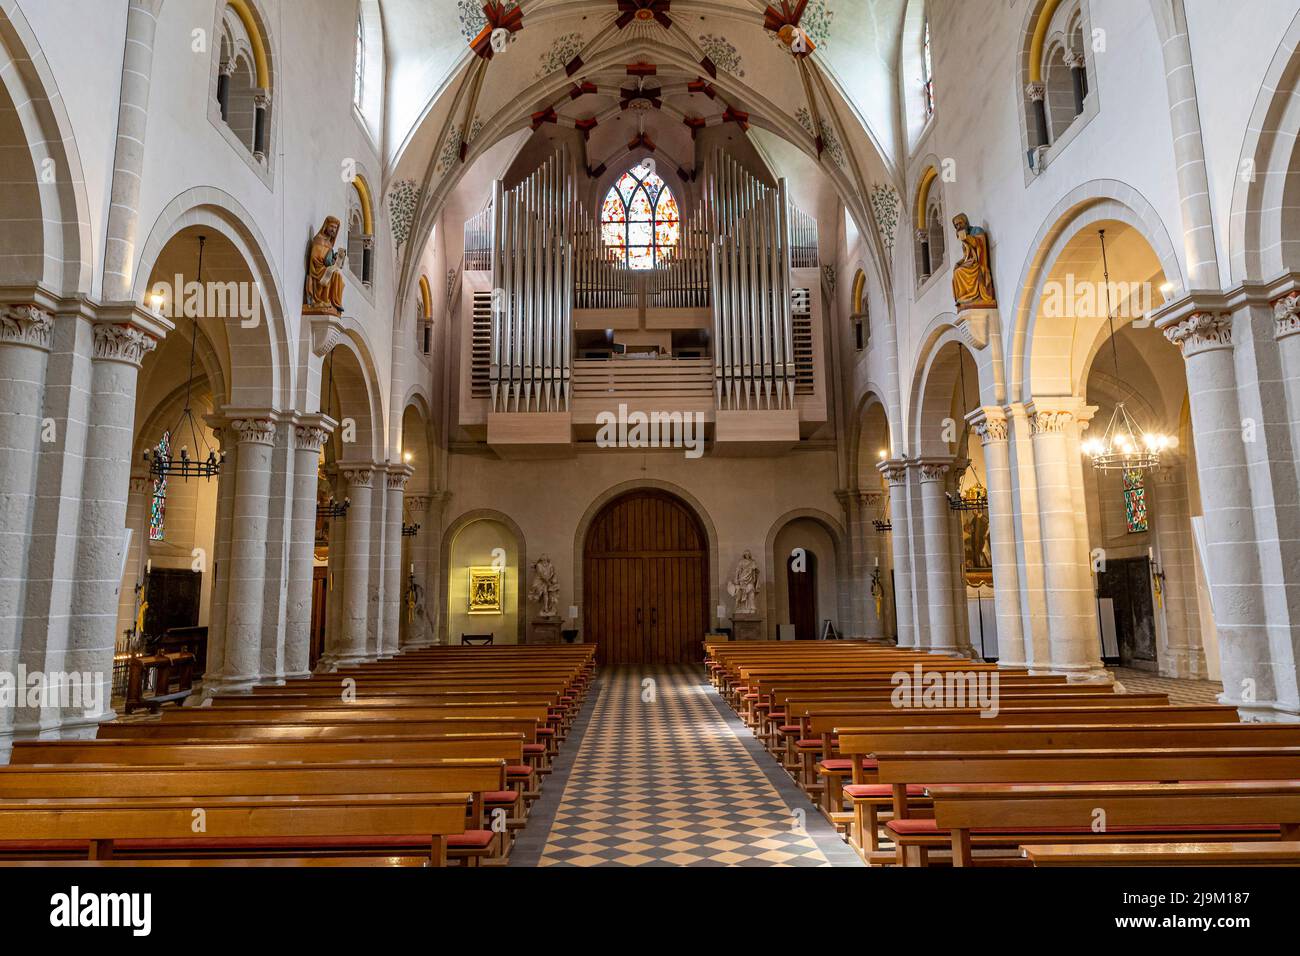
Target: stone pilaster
937 543
390 635
1071 600
1183 655
993 429
26 332
875 558
310 433
346 645
240 667
895 474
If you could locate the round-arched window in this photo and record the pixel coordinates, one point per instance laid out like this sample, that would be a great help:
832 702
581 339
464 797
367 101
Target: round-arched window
640 223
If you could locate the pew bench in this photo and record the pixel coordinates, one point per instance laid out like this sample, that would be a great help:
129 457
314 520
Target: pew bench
1164 854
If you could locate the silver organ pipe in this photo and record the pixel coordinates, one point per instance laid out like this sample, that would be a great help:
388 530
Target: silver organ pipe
754 227
533 290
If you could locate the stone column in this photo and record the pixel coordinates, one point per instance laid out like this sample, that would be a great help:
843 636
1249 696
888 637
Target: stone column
97 570
262 112
876 625
240 665
432 578
990 424
1251 671
942 638
390 633
223 88
1037 93
138 504
128 161
1184 653
849 505
227 450
26 333
1071 601
378 546
926 263
309 436
348 646
1076 63
895 473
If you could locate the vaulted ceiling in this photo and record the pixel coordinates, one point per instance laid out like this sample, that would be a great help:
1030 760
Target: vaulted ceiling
627 77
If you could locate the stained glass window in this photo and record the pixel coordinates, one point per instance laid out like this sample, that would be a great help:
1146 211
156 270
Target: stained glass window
158 503
927 68
1135 502
639 220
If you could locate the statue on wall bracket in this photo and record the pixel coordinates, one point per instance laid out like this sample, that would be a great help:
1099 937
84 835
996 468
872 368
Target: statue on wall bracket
323 294
972 277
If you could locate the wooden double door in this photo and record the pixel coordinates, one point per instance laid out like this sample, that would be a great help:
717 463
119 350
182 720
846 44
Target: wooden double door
645 581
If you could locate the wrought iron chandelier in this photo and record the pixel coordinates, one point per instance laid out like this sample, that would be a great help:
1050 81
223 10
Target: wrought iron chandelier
883 524
162 464
410 530
1124 446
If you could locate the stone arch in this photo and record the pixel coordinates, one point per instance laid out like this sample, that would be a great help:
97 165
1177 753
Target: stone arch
1263 229
1035 363
261 367
842 562
520 565
934 379
350 372
871 419
46 186
617 491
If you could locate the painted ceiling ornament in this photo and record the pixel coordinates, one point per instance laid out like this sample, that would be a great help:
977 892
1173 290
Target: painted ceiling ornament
884 206
785 24
644 10
501 22
403 199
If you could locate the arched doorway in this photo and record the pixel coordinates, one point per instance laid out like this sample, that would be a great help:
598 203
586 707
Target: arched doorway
801 594
645 581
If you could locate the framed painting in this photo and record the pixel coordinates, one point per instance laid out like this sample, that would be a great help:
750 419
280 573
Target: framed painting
484 591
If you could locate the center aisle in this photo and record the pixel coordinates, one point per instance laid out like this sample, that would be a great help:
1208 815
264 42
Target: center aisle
665 775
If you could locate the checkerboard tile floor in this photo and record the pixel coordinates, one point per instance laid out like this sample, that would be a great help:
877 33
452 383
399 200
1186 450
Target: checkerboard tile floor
1179 691
662 779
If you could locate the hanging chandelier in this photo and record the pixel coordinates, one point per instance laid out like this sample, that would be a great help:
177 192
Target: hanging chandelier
883 524
335 509
162 464
1124 446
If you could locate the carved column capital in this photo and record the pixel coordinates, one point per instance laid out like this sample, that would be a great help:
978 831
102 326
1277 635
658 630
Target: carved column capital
122 343
397 477
254 431
894 471
26 325
871 499
310 437
1073 59
358 476
1286 313
990 424
934 470
1036 92
1202 332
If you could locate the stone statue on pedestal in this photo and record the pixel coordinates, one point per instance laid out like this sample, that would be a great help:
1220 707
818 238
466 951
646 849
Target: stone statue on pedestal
744 584
323 294
545 588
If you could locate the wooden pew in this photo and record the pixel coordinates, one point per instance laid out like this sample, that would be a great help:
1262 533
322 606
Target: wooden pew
484 779
1181 812
163 826
1165 854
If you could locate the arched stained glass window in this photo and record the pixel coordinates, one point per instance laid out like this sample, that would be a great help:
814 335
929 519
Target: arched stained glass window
158 503
927 67
639 220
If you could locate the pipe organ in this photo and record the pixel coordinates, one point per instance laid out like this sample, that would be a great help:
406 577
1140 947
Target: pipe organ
731 310
754 364
532 290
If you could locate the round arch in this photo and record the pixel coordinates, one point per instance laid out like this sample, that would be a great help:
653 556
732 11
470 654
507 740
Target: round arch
650 484
843 572
519 566
1089 206
262 369
1262 234
59 209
